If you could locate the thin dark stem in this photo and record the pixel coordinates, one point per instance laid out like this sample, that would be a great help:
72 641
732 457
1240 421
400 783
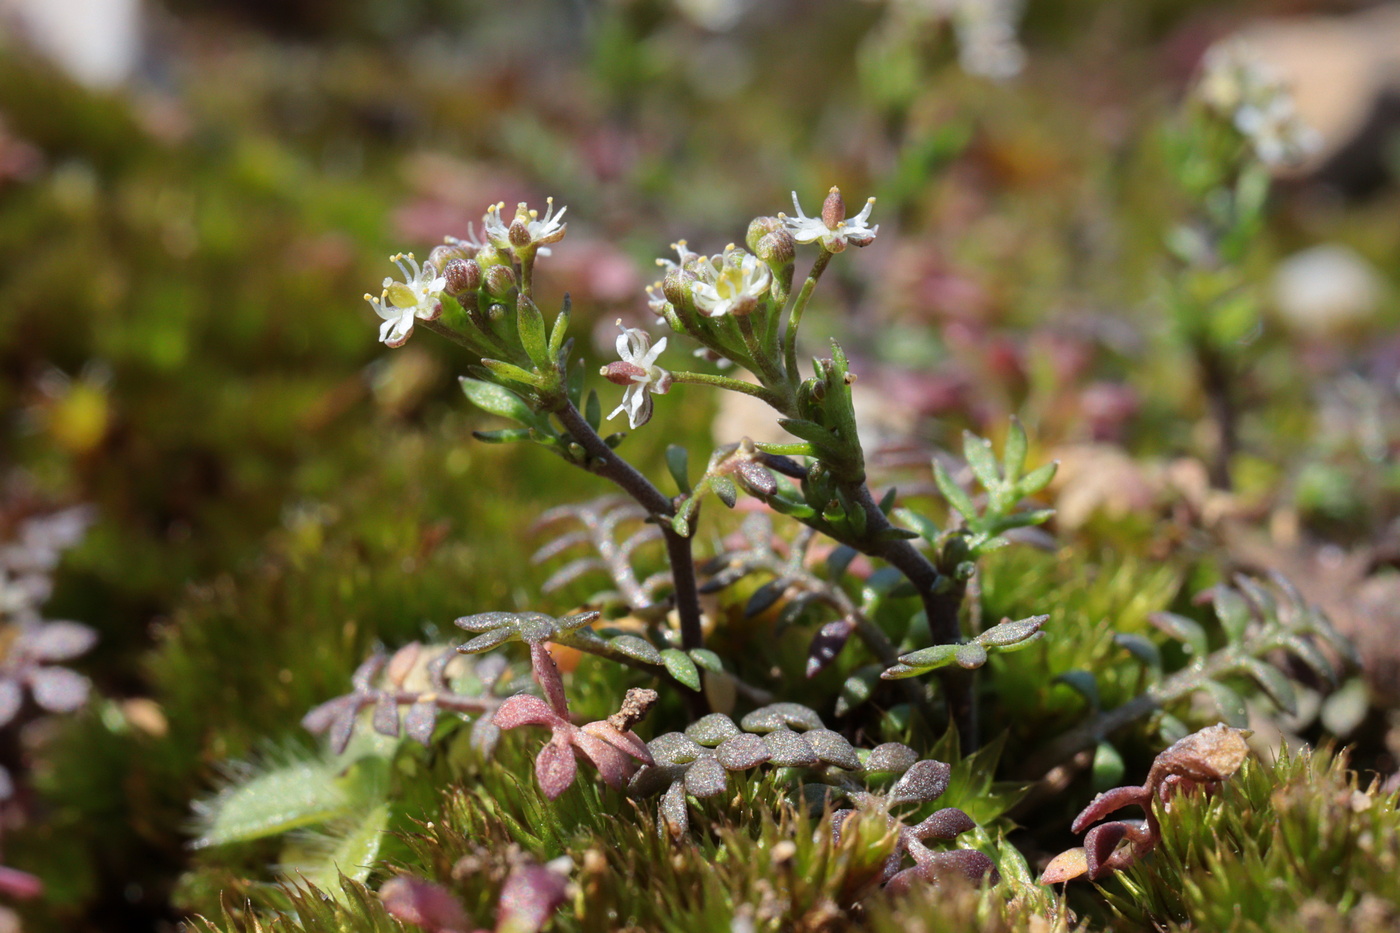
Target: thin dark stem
942 599
607 464
1216 381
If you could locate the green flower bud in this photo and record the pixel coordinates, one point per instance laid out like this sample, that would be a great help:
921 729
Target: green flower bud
500 281
760 227
777 248
463 275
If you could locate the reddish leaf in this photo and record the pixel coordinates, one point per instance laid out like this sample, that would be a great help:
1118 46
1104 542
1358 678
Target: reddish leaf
555 768
525 709
1066 866
430 906
530 897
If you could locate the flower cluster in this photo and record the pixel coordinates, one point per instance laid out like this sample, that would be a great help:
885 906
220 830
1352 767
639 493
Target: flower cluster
1240 87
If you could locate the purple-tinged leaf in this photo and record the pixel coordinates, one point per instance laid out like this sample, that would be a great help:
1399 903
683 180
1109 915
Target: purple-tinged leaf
969 863
944 825
742 752
827 644
555 768
629 743
672 748
712 729
419 722
343 726
1099 844
787 749
614 765
58 690
364 676
386 715
323 716
529 899
485 735
781 716
891 757
401 664
706 778
1110 802
673 810
525 709
57 641
924 781
546 674
422 903
832 748
486 641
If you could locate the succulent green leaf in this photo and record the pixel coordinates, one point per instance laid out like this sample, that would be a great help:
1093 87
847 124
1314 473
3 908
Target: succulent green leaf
957 496
529 323
636 647
1233 612
1013 455
978 451
1006 634
924 526
970 656
707 659
724 488
678 463
927 659
1082 682
1141 648
1108 767
1274 682
681 667
1228 703
497 400
786 450
1036 480
593 410
1187 631
504 436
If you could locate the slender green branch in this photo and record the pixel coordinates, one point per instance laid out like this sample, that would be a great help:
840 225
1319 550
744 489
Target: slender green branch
733 385
599 648
769 370
799 305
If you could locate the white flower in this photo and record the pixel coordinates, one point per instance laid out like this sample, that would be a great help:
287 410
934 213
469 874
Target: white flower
831 227
683 251
418 296
638 371
1243 88
738 281
527 228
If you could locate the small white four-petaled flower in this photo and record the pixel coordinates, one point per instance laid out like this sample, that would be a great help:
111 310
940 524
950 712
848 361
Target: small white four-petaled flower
831 227
527 228
418 297
637 370
738 281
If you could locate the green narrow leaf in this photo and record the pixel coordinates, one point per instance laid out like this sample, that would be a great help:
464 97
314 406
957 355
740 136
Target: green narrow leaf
970 656
1229 704
593 410
786 450
724 488
888 500
707 659
1036 480
1082 682
857 689
1232 610
561 328
678 462
504 436
636 647
681 667
1187 631
924 526
529 323
808 430
500 401
511 373
352 851
1274 682
927 659
1108 767
1013 457
1141 648
957 496
978 451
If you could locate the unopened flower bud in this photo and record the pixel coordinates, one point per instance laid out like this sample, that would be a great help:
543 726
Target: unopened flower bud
676 287
463 275
760 227
499 281
519 233
833 208
444 253
777 248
